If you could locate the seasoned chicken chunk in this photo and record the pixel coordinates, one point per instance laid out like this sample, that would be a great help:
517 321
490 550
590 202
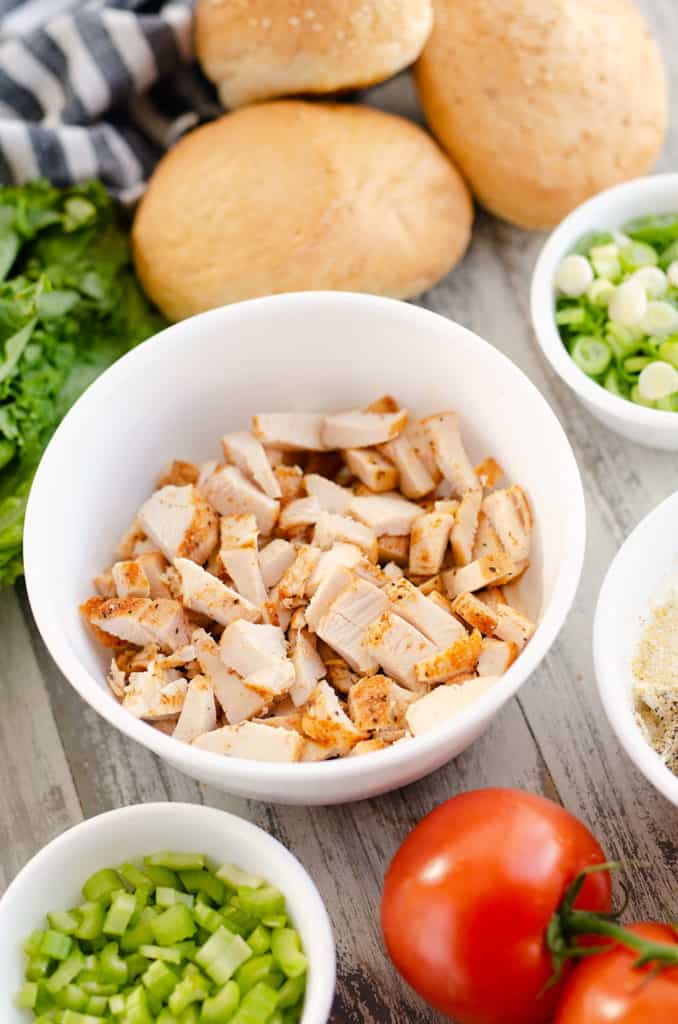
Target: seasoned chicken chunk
393 571
510 515
415 479
199 714
154 693
204 593
258 653
247 452
300 512
290 431
489 472
394 549
428 542
478 614
438 626
496 658
242 565
347 555
328 589
385 513
291 481
356 429
367 747
372 469
139 620
326 722
486 540
130 580
309 668
116 679
238 532
460 657
488 571
331 528
444 703
105 584
397 647
465 526
253 742
449 452
512 626
344 624
274 560
154 565
295 580
330 496
132 543
237 700
377 703
179 473
230 492
180 523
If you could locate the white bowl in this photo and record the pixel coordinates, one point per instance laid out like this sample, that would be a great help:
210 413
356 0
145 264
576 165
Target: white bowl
52 880
642 569
174 397
605 212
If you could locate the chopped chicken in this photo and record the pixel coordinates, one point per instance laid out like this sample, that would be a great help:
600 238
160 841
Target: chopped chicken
295 580
490 570
309 668
329 495
510 515
105 584
489 473
386 403
417 434
275 612
206 470
493 596
177 659
377 704
438 599
367 747
331 528
133 542
116 679
476 613
199 713
372 469
444 703
230 492
291 482
325 721
397 647
512 626
154 565
385 513
154 693
275 559
249 455
314 751
370 572
356 429
347 555
140 621
460 657
180 523
393 571
428 542
465 526
393 549
344 623
340 675
179 474
496 658
242 565
130 580
238 532
300 512
290 431
448 505
258 653
237 700
204 593
415 479
486 541
253 741
437 625
449 452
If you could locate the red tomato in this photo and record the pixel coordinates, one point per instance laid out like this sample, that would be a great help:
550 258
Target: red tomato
607 989
469 895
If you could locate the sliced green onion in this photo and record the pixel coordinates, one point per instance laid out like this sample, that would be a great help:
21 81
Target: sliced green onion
637 254
636 397
592 355
570 315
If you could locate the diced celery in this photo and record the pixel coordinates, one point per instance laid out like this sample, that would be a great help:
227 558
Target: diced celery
165 897
159 980
73 1017
221 1006
65 921
31 945
97 1005
55 945
140 934
175 924
113 967
236 878
259 940
257 1007
116 1004
120 913
100 886
274 920
222 954
286 948
133 876
176 861
191 989
92 921
262 902
136 965
37 967
291 992
207 918
162 876
169 954
71 997
28 995
204 882
66 972
137 1010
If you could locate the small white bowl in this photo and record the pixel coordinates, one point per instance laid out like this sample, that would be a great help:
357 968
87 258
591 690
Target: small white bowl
607 211
642 569
52 880
174 397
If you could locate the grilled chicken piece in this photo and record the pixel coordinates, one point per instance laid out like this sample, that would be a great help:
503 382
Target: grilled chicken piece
428 542
179 474
489 473
512 626
180 523
154 565
377 704
199 713
339 674
132 543
488 571
177 659
242 565
385 513
415 479
295 580
348 616
385 403
486 540
291 481
327 591
154 693
356 429
258 653
510 515
274 611
449 452
330 496
394 549
368 747
444 703
140 621
105 584
206 594
347 555
478 614
253 741
326 722
230 492
116 679
300 512
397 647
437 598
275 559
130 580
372 469
246 452
238 532
438 626
393 571
309 668
332 527
463 533
460 657
237 700
290 431
496 658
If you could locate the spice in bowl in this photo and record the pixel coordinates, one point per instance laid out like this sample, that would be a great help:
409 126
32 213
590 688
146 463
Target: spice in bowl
655 670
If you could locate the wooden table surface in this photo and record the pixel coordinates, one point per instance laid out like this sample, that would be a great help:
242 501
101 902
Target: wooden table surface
60 762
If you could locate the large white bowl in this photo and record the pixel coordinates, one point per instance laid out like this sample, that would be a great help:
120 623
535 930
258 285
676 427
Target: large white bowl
52 880
605 212
175 395
643 568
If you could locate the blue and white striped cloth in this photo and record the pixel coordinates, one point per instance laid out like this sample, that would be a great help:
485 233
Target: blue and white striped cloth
95 89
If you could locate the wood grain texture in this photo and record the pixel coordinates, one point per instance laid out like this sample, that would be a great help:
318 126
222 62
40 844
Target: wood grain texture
553 739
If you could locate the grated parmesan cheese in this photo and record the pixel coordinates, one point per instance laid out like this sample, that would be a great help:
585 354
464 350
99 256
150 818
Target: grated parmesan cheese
655 668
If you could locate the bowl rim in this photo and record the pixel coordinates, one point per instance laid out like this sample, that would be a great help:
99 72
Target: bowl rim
556 246
322 983
238 770
623 725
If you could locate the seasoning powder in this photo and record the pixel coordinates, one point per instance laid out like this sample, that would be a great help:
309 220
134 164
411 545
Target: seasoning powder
655 668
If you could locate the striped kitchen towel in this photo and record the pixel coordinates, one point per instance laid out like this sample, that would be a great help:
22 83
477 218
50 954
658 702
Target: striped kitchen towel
95 89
